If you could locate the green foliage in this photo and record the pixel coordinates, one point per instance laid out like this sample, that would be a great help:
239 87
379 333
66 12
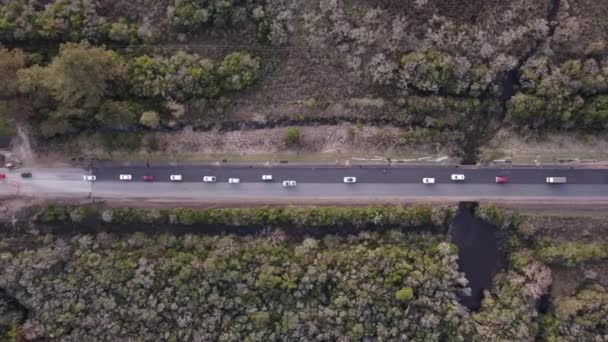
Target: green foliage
69 92
82 75
10 62
571 253
238 71
184 77
54 214
116 115
189 16
7 126
430 71
63 20
561 96
503 219
578 318
138 286
527 109
121 141
405 294
436 219
193 15
15 334
86 88
122 31
292 137
150 119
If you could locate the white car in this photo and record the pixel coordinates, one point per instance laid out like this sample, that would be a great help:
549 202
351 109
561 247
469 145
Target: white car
350 179
289 183
456 177
234 180
428 180
267 178
209 179
176 178
125 177
89 178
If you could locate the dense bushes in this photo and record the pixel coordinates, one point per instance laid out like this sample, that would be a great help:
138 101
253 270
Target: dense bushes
202 288
91 88
571 253
503 219
292 137
192 15
440 73
69 92
184 76
354 218
67 20
565 96
581 317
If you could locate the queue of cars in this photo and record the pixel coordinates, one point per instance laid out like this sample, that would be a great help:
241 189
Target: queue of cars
292 183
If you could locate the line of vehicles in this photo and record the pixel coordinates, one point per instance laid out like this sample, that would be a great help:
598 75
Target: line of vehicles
292 183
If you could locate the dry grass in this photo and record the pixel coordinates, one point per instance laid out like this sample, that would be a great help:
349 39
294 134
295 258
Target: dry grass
549 148
317 143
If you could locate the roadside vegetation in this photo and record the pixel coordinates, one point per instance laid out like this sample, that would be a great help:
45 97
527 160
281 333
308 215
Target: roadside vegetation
238 288
566 254
299 273
446 74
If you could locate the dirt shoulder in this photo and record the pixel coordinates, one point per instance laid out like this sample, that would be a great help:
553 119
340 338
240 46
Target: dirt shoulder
520 147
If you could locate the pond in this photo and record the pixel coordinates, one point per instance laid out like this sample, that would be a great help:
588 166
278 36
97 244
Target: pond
479 256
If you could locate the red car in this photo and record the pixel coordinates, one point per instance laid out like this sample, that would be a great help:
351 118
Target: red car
147 178
502 180
2 176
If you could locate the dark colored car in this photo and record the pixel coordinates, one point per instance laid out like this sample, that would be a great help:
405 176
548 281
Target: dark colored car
502 180
26 175
147 178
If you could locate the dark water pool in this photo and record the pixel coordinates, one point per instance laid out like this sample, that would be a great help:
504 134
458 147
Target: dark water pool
478 252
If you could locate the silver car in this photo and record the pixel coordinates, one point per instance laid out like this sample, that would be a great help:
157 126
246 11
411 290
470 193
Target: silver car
457 177
289 183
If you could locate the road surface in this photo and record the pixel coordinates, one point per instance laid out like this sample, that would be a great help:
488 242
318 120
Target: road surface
314 183
373 174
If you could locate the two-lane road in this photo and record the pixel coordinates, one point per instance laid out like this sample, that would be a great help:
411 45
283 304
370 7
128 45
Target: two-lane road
368 175
315 184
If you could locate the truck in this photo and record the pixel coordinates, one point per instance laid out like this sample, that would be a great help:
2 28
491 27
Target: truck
556 180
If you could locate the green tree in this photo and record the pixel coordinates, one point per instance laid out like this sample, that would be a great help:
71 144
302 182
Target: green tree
405 294
189 16
238 70
10 62
150 119
292 136
430 71
115 114
146 75
80 76
526 110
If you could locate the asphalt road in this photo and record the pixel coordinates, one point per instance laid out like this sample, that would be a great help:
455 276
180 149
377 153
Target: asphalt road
365 175
314 184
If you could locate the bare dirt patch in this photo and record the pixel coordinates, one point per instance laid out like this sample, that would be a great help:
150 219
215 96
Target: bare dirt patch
570 228
316 142
522 148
